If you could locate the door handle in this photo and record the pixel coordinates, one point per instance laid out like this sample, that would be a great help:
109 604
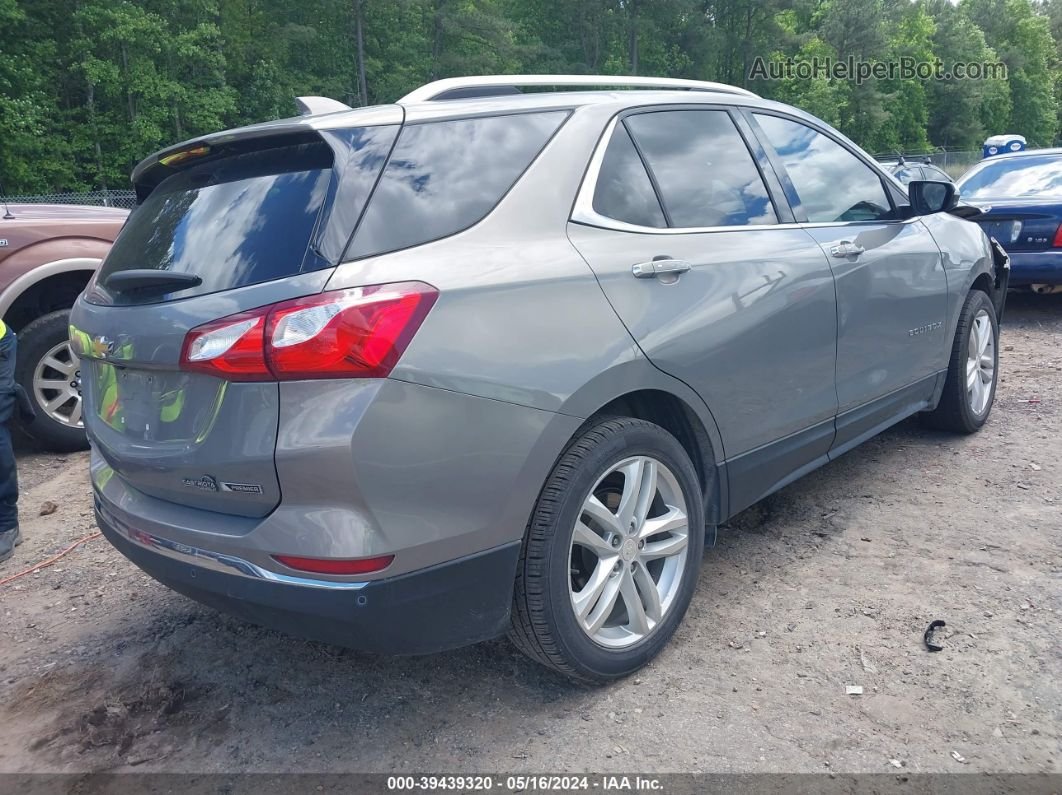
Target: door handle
662 265
846 248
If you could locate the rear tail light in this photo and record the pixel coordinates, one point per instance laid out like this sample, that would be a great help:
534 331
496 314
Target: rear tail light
356 333
231 348
336 565
1058 237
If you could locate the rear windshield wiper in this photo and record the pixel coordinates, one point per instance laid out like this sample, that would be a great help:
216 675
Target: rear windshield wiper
148 280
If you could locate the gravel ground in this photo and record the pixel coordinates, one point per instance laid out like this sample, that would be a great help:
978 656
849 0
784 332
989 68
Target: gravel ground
827 584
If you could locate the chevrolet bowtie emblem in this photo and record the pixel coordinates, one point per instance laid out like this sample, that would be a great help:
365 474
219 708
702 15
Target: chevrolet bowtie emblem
102 347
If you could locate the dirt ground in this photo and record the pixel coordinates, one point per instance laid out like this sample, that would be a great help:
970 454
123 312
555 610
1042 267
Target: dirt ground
827 584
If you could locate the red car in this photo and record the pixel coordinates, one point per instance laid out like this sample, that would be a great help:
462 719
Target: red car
47 255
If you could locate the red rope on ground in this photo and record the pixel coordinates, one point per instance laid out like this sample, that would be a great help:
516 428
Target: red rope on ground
51 560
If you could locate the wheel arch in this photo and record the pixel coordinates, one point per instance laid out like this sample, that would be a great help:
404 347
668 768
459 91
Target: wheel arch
638 389
49 287
679 419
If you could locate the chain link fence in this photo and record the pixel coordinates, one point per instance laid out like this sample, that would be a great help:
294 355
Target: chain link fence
96 198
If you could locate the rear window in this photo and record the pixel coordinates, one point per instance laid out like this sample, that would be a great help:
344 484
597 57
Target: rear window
233 222
1028 176
445 176
253 217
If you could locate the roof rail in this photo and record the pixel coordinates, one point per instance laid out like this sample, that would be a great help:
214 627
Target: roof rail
496 85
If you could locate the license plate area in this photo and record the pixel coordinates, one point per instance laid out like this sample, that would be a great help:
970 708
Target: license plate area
140 395
155 405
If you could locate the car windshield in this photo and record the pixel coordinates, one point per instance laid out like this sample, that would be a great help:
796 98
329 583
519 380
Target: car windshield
1029 176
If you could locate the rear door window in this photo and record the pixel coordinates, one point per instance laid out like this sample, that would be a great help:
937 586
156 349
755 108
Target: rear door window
704 171
445 176
624 191
934 173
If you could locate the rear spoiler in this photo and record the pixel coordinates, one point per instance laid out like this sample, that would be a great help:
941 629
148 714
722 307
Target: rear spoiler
155 168
312 106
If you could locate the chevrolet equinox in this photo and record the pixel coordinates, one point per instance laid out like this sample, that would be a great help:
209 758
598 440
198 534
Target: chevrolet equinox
499 359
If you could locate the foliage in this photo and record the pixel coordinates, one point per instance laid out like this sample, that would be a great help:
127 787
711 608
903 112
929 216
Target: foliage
89 87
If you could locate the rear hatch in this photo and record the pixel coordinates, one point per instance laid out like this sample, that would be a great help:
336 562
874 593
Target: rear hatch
225 224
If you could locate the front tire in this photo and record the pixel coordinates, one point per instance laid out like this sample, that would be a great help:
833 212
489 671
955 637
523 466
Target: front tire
612 553
50 372
970 388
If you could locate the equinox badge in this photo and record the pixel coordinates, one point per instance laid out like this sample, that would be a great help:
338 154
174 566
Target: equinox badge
925 329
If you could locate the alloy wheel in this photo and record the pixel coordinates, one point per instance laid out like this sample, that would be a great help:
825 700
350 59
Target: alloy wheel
980 363
57 385
628 552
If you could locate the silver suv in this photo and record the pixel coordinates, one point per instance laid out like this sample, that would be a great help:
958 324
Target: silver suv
494 361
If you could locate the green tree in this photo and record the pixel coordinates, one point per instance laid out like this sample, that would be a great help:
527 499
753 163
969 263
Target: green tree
906 101
1022 38
818 95
34 152
961 112
145 80
89 87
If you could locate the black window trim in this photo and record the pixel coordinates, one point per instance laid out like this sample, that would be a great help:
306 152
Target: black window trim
648 170
897 197
598 155
583 211
782 207
372 189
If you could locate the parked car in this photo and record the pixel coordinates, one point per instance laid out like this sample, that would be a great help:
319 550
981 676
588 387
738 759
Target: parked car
906 171
1020 195
413 376
47 255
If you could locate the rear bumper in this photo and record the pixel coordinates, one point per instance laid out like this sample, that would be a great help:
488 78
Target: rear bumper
442 607
443 481
1035 267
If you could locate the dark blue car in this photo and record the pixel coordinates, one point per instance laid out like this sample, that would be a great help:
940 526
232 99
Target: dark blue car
1021 195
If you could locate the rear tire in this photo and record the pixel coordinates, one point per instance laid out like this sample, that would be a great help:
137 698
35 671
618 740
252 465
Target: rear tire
43 339
627 563
970 388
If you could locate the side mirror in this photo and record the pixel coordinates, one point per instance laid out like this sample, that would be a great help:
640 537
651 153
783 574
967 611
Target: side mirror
932 197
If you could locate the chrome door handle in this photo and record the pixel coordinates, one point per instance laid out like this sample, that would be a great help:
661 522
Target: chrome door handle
650 270
846 248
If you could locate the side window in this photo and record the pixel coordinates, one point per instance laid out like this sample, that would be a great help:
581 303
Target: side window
445 176
932 172
833 184
908 174
704 170
623 189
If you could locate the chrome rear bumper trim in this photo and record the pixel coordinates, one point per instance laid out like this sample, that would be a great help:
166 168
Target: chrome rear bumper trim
216 561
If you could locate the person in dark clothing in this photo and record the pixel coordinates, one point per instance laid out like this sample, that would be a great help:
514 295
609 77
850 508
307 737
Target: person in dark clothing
9 533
